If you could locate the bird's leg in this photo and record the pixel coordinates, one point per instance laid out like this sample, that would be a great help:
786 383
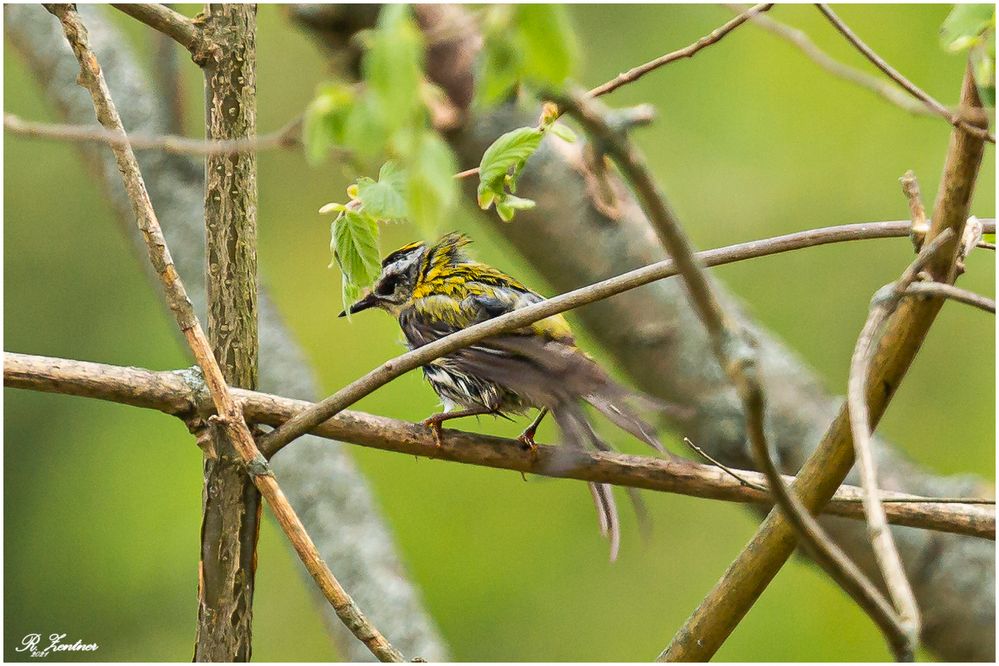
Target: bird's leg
434 422
527 437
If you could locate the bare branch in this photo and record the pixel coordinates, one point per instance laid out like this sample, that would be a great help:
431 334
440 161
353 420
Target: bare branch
746 578
393 368
229 415
954 119
714 36
942 289
285 137
735 352
801 40
181 394
230 507
920 223
885 551
344 520
169 22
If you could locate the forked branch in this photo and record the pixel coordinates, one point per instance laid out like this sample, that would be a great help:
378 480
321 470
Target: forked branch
229 415
936 107
181 394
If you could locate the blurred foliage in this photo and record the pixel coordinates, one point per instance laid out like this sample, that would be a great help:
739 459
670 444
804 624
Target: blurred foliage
972 28
102 501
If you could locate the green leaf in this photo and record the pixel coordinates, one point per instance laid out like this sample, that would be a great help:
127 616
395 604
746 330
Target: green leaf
431 190
393 66
365 128
563 131
497 66
386 198
548 43
508 152
508 205
964 26
355 247
349 293
325 120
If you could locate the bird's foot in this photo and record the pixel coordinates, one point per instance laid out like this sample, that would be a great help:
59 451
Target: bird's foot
434 423
527 442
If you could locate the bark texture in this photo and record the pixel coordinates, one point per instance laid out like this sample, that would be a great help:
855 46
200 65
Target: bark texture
180 393
667 352
230 501
321 481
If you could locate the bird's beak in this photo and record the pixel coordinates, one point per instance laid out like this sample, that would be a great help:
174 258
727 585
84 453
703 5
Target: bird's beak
368 301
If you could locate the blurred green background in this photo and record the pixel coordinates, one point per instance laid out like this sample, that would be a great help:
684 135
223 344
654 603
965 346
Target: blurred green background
102 501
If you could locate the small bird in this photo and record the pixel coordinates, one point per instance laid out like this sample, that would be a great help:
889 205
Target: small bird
437 289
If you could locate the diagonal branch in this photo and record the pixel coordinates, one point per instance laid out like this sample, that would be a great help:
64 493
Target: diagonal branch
175 25
181 394
688 51
304 422
932 289
229 415
344 519
746 578
885 551
936 107
735 353
798 38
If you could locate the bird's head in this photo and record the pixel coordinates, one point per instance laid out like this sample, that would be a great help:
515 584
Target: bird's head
406 269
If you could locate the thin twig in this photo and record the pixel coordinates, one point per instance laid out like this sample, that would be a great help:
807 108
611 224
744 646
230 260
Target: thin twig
985 245
638 72
725 468
885 552
720 612
411 360
229 414
953 293
181 394
801 40
169 22
714 36
954 119
285 137
917 211
734 351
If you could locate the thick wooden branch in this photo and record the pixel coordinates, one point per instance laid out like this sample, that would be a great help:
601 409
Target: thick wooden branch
230 516
175 25
228 416
746 578
735 353
344 520
664 350
388 371
182 394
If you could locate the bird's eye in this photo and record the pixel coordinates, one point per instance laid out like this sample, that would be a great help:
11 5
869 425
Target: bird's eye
387 286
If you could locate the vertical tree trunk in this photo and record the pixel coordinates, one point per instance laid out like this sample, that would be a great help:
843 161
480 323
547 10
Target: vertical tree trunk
231 504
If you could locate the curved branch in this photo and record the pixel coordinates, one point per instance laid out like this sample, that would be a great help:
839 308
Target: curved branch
228 414
936 107
169 22
181 394
953 293
714 36
344 520
304 422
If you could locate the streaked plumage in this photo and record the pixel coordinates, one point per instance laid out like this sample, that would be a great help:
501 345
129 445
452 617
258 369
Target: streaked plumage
436 290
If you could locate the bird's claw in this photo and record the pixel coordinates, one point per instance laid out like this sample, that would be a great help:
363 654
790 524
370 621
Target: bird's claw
435 429
527 442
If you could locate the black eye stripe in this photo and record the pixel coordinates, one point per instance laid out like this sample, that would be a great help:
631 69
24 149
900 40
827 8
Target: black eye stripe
387 286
